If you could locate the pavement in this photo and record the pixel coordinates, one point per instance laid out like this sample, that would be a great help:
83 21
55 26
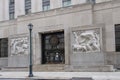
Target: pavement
60 75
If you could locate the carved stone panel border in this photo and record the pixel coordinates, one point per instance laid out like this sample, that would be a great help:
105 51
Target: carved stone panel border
87 39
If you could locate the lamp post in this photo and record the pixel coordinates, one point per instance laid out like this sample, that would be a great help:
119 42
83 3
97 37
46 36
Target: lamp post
30 26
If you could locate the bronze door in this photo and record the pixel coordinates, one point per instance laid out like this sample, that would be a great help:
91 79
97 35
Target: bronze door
53 48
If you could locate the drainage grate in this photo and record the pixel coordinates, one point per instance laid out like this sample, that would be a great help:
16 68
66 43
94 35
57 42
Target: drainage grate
84 78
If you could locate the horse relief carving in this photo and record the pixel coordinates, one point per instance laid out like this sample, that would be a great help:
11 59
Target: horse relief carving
19 46
86 41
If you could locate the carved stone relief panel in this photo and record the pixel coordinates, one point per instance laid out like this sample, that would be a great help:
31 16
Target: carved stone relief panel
86 40
19 46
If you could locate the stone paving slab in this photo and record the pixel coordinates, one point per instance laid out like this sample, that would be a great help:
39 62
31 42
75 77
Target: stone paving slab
78 78
11 79
47 79
59 75
29 79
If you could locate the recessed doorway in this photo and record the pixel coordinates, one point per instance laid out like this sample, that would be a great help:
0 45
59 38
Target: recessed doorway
53 48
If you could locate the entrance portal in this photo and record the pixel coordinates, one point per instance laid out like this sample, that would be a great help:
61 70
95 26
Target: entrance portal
53 48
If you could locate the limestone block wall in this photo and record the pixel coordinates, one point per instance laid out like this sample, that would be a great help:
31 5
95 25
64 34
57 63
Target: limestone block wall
58 19
106 13
53 20
36 6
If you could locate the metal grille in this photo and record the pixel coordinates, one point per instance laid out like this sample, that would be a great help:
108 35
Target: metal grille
4 47
66 0
46 5
53 48
11 9
117 37
27 6
66 3
91 1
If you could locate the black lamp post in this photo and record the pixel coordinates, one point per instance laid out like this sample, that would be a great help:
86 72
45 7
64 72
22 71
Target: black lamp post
30 26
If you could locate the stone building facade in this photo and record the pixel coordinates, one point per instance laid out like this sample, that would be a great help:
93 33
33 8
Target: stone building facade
80 37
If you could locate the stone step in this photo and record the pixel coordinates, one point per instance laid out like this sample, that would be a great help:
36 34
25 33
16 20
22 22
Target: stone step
11 79
30 79
62 68
104 68
49 67
14 69
48 79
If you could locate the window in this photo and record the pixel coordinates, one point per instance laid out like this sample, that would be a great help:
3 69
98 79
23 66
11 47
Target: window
46 5
27 6
11 9
11 15
11 1
4 47
117 37
66 3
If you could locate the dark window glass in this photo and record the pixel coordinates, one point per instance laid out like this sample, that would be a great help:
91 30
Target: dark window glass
46 5
53 48
91 1
11 9
27 6
11 2
4 47
66 3
11 15
117 37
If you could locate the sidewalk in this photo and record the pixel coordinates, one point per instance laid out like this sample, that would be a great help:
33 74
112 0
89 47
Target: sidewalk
63 75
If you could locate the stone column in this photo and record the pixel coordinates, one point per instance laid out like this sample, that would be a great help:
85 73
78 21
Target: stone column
36 5
55 4
77 1
4 8
19 8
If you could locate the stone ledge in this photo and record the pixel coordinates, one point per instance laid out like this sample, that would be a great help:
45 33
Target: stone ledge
106 68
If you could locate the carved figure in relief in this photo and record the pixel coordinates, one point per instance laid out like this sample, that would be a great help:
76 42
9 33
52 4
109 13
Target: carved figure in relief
19 46
86 41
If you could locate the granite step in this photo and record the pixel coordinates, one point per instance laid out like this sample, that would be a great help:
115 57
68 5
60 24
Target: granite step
11 79
104 68
14 69
49 67
44 68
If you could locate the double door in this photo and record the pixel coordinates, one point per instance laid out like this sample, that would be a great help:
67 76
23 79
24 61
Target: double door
53 48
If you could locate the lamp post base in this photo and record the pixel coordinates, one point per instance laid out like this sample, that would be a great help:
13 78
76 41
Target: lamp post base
30 75
30 71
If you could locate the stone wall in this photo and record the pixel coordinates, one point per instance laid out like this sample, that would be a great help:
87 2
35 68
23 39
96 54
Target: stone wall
85 16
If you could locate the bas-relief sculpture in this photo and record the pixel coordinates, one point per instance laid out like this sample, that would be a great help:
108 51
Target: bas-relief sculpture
86 40
19 46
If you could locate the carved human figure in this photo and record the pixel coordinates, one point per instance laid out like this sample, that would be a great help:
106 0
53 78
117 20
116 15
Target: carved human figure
86 41
19 46
57 57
